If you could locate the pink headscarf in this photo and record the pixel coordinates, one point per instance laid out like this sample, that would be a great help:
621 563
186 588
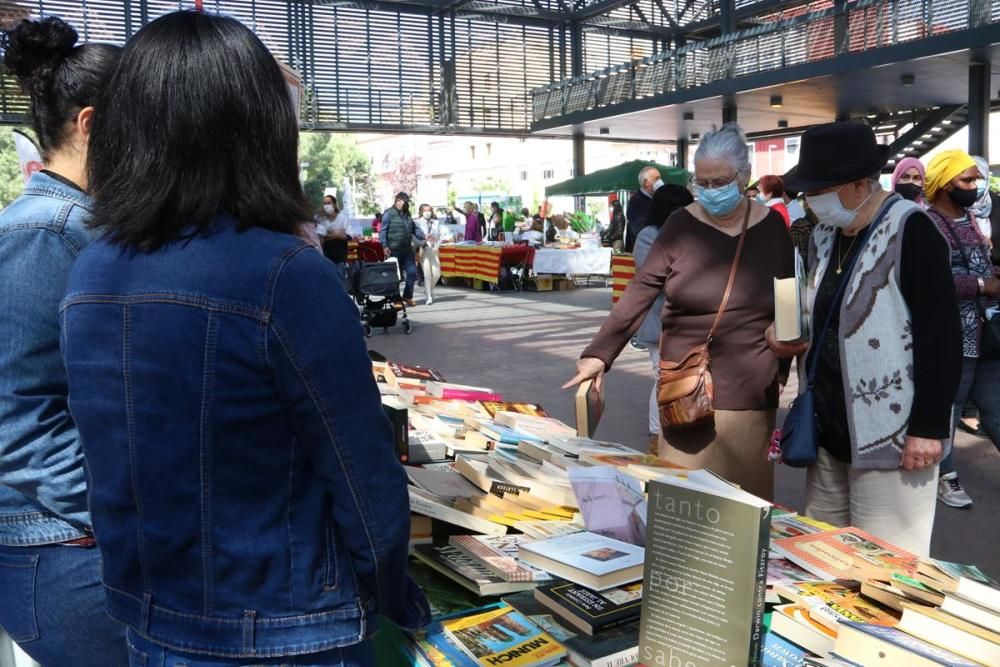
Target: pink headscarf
904 165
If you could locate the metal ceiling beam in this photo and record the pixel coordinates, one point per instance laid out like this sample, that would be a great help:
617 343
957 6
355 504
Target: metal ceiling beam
599 8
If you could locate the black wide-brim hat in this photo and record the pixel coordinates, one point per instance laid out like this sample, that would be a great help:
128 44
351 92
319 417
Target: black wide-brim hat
834 154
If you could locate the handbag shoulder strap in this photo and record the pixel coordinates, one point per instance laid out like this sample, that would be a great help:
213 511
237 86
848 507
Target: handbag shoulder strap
817 344
732 276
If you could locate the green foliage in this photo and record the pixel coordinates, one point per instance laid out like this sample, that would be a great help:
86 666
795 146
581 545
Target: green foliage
581 223
11 181
331 157
995 184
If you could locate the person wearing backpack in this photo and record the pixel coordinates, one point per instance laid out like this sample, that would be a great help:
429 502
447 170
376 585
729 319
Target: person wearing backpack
396 236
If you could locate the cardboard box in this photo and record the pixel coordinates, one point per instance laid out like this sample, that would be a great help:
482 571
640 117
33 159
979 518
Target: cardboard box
541 283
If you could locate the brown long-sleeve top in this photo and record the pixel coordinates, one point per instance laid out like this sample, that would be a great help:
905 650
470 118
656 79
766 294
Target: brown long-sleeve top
690 263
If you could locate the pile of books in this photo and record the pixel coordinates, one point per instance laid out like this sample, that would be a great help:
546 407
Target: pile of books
862 601
531 539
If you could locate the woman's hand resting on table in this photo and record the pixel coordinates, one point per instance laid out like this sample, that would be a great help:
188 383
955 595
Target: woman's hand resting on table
783 350
587 368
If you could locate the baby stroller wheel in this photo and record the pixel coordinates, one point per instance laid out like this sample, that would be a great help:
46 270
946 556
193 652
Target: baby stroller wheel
407 327
368 331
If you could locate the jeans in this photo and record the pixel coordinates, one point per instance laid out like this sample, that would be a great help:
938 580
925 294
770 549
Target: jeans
52 605
144 653
980 383
408 265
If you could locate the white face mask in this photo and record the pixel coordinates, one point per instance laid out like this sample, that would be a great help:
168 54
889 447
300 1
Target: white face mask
658 184
831 211
427 215
328 209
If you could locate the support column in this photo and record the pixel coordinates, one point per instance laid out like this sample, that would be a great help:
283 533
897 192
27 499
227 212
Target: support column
729 114
727 16
682 153
979 109
578 166
576 67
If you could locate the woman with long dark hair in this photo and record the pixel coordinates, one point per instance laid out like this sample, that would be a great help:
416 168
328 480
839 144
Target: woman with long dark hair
51 601
246 497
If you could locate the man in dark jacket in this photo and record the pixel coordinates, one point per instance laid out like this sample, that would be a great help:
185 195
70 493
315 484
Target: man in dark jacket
396 236
638 204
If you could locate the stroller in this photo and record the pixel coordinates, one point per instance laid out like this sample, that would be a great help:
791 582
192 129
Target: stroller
376 291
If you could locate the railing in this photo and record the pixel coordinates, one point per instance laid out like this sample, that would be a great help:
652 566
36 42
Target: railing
839 28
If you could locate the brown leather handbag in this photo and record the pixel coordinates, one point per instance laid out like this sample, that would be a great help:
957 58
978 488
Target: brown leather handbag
684 390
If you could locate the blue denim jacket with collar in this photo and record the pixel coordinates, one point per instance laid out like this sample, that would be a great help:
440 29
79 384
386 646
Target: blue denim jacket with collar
43 486
244 489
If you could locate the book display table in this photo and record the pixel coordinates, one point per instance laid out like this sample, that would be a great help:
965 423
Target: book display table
622 272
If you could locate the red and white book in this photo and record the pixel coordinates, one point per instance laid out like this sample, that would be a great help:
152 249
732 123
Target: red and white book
846 553
499 555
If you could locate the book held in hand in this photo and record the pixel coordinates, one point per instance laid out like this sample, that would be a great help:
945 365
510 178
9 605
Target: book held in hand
503 636
705 577
791 312
587 559
592 611
589 408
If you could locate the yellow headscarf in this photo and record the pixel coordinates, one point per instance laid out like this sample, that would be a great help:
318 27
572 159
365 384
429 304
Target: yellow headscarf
945 166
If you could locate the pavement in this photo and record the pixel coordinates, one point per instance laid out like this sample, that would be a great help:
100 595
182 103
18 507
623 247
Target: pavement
525 344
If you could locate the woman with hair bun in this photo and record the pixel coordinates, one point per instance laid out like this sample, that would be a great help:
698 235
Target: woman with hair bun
50 580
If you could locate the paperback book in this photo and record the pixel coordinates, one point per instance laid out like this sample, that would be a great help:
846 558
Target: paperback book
592 611
705 575
499 555
503 636
465 571
866 644
612 503
612 647
846 552
587 559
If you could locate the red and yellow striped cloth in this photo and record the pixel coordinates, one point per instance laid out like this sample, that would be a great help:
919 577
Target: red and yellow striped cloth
622 270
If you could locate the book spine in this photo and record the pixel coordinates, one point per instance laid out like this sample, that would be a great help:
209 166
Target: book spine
459 395
399 420
624 659
490 558
454 516
757 628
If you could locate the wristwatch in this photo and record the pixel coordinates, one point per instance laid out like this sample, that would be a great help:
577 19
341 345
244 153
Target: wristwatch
982 285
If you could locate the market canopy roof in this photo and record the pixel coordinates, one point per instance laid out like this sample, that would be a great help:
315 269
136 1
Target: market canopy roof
615 179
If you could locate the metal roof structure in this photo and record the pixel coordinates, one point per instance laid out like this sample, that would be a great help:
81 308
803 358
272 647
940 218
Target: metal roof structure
446 66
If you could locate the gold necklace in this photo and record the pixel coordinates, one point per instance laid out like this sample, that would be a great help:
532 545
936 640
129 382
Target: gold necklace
841 258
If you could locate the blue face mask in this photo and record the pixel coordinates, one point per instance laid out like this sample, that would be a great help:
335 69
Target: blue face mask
720 201
981 190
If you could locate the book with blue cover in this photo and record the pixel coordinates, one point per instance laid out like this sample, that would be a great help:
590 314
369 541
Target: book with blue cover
779 652
890 647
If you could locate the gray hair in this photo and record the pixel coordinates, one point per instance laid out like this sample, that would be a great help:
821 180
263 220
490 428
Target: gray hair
644 174
727 143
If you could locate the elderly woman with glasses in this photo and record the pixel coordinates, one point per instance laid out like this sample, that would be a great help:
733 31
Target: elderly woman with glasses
689 263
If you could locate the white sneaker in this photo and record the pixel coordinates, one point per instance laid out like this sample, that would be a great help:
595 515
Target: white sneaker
950 491
430 300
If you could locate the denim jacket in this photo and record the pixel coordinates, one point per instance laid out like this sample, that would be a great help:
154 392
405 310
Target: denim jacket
244 490
43 487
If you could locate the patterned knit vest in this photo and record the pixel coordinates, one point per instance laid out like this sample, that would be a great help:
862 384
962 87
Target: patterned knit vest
876 340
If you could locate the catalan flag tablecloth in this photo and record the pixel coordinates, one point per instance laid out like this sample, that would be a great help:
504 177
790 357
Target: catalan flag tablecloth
622 270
